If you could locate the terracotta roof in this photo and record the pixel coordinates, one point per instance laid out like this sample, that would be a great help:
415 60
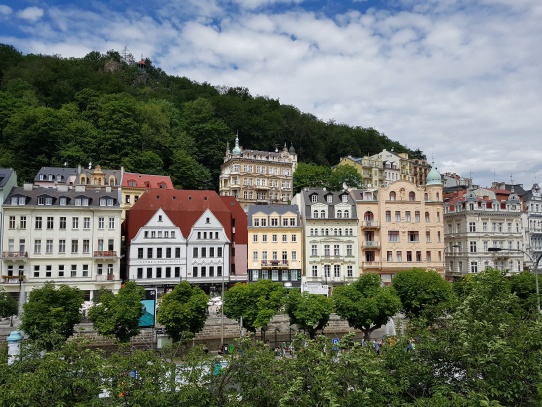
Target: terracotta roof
146 180
183 207
241 219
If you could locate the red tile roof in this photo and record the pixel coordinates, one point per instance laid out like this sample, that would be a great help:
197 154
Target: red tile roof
184 208
146 180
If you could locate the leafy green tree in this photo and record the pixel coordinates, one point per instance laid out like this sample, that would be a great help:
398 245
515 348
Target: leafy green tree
8 304
310 311
344 174
365 304
524 286
421 290
183 311
187 173
310 175
51 313
146 162
256 303
117 315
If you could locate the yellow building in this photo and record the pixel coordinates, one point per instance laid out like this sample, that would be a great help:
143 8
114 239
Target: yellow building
401 227
258 177
275 244
370 169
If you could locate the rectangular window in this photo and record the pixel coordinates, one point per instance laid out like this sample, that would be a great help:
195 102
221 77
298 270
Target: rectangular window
203 252
177 252
149 253
62 246
417 216
219 252
48 271
472 226
158 272
75 245
50 222
111 223
195 252
101 223
393 236
264 255
219 271
408 255
349 271
413 236
139 252
314 250
49 246
86 223
177 272
427 256
37 246
38 223
158 252
75 223
62 222
326 250
428 237
327 270
389 256
255 238
61 271
37 271
168 252
472 247
336 250
418 256
388 216
86 246
203 271
149 272
399 256
264 238
168 272
255 255
284 238
407 216
349 250
275 238
294 255
294 238
315 271
12 222
398 216
474 267
140 272
73 272
336 270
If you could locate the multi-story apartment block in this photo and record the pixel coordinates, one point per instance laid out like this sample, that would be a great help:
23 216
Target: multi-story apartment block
275 238
195 236
69 236
401 227
480 219
330 225
369 168
258 177
51 177
532 224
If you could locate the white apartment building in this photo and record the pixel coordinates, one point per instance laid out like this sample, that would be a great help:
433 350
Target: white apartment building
330 234
474 222
532 224
69 236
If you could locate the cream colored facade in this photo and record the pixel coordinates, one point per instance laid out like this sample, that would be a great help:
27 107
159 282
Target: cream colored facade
275 244
401 227
370 168
258 177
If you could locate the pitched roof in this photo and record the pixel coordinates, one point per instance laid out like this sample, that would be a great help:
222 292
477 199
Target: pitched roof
146 180
183 207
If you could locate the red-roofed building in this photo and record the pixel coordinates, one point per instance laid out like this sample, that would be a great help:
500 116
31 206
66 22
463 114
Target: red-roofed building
134 185
175 235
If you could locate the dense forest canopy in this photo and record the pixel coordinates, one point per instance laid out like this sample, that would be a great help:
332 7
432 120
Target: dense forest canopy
112 111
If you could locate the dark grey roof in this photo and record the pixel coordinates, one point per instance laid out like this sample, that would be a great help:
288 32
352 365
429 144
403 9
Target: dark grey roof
32 196
5 174
60 174
322 196
269 209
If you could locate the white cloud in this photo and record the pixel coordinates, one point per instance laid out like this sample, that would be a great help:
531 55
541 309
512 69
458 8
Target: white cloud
455 79
5 10
31 14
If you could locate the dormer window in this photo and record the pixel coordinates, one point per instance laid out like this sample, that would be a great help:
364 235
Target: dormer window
131 183
329 198
50 178
162 185
345 198
42 177
63 201
41 200
314 198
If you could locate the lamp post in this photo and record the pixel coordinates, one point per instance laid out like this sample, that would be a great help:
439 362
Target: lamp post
500 249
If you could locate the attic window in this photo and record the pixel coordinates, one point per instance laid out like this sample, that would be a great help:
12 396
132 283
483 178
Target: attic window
189 198
314 198
159 218
329 198
204 198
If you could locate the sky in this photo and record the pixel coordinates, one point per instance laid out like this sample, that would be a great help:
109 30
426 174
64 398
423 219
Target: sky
459 79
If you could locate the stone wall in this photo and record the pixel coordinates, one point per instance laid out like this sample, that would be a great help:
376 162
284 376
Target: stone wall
279 330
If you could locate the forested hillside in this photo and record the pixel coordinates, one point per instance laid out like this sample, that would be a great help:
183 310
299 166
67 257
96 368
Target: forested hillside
108 110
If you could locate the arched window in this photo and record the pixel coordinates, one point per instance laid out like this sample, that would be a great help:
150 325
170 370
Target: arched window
327 232
427 219
315 214
368 216
392 196
347 214
411 196
426 196
322 214
438 196
339 214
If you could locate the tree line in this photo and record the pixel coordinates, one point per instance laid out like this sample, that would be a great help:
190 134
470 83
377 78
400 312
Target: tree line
105 109
474 343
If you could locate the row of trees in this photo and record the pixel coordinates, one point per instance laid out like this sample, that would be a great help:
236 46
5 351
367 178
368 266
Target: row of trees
483 350
103 109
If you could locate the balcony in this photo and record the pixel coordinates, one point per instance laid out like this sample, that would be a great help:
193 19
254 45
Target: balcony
14 255
371 265
105 277
370 244
274 263
370 224
13 279
105 253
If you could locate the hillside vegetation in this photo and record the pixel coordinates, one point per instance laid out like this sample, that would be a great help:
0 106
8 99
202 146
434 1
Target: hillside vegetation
105 109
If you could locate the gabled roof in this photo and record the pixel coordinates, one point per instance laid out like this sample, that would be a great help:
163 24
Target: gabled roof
5 174
146 180
270 209
183 207
59 174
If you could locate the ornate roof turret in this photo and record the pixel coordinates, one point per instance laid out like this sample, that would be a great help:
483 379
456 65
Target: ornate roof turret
236 150
433 177
292 149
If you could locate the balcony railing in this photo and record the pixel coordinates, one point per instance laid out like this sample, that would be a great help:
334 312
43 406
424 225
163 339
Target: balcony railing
274 263
15 255
370 224
13 279
105 253
371 264
371 243
105 277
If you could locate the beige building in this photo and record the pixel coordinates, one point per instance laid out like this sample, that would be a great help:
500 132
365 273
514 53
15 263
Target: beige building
370 169
275 244
401 227
258 177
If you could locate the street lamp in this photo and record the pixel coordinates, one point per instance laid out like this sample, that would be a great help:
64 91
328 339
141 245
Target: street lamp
500 249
